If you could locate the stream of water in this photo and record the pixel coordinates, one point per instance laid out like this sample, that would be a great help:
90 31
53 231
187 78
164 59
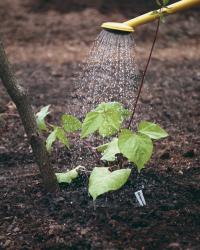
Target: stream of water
110 72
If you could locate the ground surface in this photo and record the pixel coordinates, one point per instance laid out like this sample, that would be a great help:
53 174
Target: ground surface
45 47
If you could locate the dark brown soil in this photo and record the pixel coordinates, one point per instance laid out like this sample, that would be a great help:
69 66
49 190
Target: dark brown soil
46 41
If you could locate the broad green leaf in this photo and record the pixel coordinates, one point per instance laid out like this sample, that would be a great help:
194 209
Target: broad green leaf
57 133
40 117
110 125
113 106
106 118
106 106
67 177
111 150
60 135
51 139
102 180
91 123
137 148
70 123
112 120
152 130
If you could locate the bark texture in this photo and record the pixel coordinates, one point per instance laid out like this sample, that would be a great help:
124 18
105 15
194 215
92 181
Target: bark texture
21 99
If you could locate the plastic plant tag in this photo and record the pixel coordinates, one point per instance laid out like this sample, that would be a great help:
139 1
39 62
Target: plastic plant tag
140 198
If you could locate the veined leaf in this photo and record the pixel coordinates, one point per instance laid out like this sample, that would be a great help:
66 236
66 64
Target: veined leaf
91 123
112 120
102 180
152 130
106 118
70 123
40 117
111 150
60 134
137 148
57 133
69 176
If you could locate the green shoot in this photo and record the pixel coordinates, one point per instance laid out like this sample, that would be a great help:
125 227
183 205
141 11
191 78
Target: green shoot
40 118
106 120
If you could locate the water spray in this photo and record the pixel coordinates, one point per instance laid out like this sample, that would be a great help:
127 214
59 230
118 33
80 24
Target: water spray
110 72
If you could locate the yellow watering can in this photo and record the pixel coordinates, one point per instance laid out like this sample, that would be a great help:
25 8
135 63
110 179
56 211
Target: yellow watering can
130 25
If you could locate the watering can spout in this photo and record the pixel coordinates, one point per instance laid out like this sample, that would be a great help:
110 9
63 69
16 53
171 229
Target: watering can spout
129 26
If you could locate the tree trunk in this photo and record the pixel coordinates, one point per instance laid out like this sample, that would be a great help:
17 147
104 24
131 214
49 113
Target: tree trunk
21 99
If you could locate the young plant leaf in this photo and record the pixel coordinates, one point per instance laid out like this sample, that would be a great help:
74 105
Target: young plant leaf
70 123
40 118
51 139
91 123
69 176
152 130
106 118
59 134
111 150
137 148
111 123
102 180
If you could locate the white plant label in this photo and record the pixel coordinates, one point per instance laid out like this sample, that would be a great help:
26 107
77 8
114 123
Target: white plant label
140 198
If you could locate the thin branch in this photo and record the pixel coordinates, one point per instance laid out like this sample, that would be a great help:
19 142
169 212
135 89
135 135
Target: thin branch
144 74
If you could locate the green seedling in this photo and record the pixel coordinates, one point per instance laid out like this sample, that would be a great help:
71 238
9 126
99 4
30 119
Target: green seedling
40 118
68 124
106 120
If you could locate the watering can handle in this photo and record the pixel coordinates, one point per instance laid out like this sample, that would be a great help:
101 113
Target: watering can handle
171 9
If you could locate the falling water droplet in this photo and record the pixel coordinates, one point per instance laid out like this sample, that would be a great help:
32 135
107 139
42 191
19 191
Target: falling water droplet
110 72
